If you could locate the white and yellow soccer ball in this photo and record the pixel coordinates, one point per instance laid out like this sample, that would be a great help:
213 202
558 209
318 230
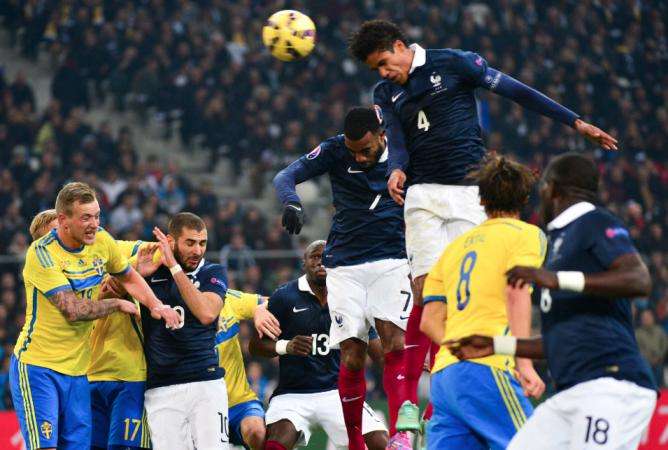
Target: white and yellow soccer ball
289 35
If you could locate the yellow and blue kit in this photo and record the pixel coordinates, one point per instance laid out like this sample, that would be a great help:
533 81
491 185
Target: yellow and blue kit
478 404
48 368
117 376
241 399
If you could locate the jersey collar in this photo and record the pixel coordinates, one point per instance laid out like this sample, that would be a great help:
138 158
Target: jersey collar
385 154
419 58
303 285
570 214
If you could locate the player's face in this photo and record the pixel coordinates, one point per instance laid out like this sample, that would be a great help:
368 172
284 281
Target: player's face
392 65
81 226
367 151
190 247
315 271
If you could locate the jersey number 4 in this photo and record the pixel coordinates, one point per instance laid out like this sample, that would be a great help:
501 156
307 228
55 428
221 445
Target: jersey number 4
422 122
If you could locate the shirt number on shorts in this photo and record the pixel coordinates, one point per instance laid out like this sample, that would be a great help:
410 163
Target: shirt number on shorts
224 427
422 122
465 280
131 436
320 344
597 430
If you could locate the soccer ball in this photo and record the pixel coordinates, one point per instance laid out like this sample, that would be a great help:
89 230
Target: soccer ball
289 35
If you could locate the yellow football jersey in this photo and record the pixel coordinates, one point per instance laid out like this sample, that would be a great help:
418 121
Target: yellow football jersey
470 278
117 352
238 306
47 338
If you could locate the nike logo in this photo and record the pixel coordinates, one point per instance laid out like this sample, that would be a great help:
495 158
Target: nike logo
395 97
295 310
295 207
350 170
403 318
158 280
348 400
401 377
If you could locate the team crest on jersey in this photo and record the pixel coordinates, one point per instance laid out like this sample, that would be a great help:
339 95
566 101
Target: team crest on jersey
339 320
47 429
437 82
314 153
98 265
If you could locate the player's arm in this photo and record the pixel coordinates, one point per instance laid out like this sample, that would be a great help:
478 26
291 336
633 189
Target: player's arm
204 303
315 163
268 348
496 81
396 144
247 306
477 346
375 348
435 305
76 309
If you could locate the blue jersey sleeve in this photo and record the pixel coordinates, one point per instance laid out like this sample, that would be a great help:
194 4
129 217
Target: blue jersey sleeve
278 304
610 240
311 165
214 280
470 66
396 144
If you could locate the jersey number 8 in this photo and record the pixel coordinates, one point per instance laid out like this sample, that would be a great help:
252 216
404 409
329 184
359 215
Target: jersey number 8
468 263
422 122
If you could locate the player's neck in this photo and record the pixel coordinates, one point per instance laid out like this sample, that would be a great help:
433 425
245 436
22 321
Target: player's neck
67 240
319 291
503 215
562 205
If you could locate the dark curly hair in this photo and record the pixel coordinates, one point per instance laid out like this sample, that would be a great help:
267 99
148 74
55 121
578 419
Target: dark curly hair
574 176
374 35
505 185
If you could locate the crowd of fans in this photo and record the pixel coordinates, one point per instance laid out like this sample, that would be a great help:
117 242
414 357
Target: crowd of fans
198 69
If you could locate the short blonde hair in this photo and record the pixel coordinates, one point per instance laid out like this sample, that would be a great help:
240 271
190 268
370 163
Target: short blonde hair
41 220
71 193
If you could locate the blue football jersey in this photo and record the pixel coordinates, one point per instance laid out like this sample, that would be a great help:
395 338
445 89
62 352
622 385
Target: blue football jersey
189 353
585 336
300 313
367 225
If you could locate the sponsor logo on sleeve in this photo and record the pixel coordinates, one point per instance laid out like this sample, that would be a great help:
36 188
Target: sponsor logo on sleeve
611 233
314 153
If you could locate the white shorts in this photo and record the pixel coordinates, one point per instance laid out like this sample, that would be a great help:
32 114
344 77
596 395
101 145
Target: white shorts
600 414
435 215
359 294
305 411
188 416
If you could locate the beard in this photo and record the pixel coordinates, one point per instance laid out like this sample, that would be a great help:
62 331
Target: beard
319 280
187 267
546 212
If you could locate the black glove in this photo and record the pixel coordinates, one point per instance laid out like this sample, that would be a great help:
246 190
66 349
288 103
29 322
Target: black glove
293 217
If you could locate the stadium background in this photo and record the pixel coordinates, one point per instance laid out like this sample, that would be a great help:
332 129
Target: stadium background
168 105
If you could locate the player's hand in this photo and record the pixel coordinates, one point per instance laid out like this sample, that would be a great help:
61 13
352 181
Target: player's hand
395 185
170 316
112 288
128 307
300 346
167 257
532 384
265 323
146 266
471 347
293 217
519 276
596 135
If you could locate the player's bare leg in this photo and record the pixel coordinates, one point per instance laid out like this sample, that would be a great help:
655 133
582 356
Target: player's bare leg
416 348
281 435
253 431
352 389
376 440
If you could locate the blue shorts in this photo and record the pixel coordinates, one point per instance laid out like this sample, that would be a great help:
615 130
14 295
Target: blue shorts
53 409
118 414
237 413
476 407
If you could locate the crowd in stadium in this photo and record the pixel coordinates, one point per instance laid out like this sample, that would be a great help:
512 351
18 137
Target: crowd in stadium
198 69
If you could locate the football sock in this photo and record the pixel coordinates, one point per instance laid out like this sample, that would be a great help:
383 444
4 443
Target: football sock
394 383
352 391
416 348
273 445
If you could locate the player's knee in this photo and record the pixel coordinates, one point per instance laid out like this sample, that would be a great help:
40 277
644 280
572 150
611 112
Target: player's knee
418 284
353 354
376 440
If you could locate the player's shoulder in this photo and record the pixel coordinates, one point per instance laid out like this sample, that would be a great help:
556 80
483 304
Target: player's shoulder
40 250
129 248
103 238
212 269
383 90
286 292
332 147
450 57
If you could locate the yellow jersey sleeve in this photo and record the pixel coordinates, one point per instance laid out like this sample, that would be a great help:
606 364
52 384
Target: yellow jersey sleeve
242 304
434 288
117 264
42 273
530 249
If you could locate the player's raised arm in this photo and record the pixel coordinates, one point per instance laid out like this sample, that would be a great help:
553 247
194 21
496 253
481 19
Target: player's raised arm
204 303
505 85
77 309
247 306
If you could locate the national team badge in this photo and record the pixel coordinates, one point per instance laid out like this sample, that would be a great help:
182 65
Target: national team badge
339 320
314 153
47 429
98 265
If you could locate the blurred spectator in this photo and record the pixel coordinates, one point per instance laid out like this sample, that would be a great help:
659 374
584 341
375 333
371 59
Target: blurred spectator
236 256
653 343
